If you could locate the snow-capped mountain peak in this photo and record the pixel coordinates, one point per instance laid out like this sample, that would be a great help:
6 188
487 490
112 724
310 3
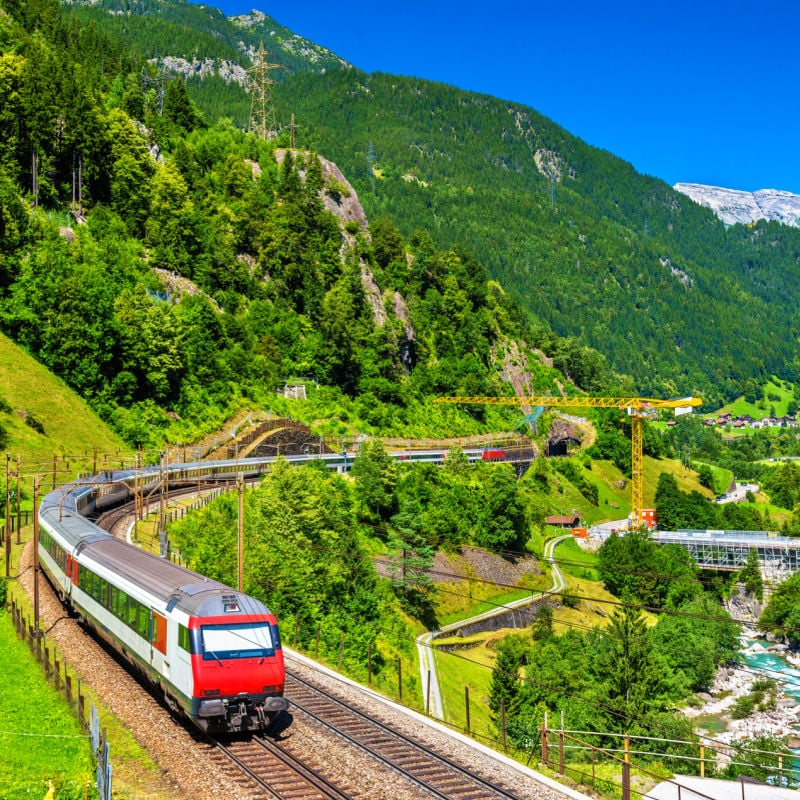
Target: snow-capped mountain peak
732 205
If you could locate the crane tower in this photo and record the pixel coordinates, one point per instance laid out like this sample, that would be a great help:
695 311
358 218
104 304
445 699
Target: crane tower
638 408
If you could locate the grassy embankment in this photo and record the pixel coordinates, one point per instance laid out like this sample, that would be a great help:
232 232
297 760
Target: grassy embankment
41 741
471 664
48 421
68 429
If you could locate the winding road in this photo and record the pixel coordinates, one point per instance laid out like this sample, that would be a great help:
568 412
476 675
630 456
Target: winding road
425 649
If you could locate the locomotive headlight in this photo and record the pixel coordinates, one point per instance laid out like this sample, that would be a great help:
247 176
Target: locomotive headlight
210 692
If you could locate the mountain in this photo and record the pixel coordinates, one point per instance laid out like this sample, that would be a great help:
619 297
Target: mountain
597 251
733 206
198 40
592 250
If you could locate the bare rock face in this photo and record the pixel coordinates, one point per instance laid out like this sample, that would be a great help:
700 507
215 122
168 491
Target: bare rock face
733 206
744 606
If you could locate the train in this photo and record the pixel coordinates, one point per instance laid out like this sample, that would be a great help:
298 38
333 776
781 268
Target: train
215 653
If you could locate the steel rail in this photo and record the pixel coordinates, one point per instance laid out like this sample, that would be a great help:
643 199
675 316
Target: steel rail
298 769
373 749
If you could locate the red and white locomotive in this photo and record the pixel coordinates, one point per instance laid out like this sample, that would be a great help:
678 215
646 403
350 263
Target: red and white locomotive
215 652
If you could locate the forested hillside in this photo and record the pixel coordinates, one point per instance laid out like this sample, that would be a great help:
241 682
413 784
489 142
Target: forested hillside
591 248
171 271
636 270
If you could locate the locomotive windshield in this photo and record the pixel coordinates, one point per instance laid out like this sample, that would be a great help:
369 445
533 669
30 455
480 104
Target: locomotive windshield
245 640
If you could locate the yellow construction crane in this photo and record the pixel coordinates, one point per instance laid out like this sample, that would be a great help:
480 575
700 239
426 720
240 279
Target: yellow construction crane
638 408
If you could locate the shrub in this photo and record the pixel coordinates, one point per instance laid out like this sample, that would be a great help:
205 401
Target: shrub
336 190
33 422
743 707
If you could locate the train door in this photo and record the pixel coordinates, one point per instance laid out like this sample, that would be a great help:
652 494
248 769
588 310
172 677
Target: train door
181 656
158 643
71 578
68 576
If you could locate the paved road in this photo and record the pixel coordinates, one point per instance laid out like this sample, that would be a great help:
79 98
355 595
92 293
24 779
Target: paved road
739 494
427 662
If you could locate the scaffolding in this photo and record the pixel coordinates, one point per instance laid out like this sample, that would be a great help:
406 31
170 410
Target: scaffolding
728 550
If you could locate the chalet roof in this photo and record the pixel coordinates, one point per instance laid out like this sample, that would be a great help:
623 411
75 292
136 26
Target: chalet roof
567 519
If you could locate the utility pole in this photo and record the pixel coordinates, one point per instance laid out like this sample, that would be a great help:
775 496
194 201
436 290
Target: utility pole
158 82
262 111
8 516
240 490
36 552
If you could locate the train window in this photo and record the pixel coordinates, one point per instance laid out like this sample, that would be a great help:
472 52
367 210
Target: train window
184 640
130 612
143 622
247 640
105 591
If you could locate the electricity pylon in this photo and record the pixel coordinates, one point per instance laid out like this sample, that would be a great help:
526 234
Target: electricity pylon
262 111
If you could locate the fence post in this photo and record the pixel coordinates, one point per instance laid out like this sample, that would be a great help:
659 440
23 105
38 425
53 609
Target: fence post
466 706
81 705
428 694
702 761
544 740
316 641
369 664
341 652
626 770
400 679
503 723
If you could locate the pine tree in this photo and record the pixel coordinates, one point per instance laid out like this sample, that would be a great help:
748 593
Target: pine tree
750 574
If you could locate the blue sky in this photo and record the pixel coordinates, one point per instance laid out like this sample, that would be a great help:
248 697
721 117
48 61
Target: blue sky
700 92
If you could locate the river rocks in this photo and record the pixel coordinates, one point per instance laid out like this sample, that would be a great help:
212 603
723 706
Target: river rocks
731 684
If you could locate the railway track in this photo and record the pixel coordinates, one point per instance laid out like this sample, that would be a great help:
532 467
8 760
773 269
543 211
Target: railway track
277 774
268 766
437 774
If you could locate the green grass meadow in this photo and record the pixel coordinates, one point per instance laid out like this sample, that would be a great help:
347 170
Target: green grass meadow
41 741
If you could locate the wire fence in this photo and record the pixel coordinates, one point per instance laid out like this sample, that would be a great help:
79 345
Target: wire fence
64 679
571 754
